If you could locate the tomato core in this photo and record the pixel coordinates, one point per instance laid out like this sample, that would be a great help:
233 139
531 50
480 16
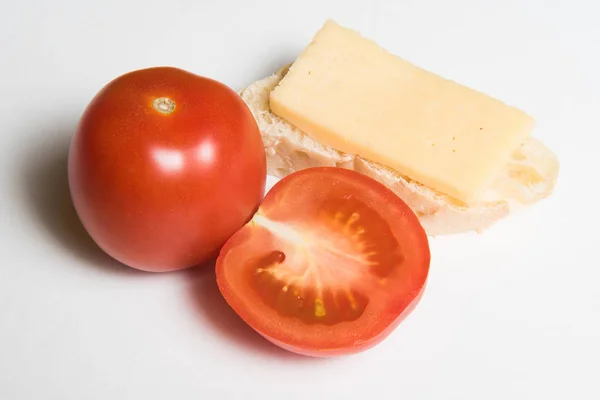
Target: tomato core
349 243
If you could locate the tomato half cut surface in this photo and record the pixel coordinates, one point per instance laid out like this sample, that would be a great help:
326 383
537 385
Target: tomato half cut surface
329 265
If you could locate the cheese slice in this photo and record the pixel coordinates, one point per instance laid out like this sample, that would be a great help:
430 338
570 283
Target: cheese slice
348 93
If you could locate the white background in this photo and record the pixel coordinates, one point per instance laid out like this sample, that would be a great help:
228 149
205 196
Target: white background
510 314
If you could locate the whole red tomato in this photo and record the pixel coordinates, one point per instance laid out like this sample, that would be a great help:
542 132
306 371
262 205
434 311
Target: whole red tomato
165 166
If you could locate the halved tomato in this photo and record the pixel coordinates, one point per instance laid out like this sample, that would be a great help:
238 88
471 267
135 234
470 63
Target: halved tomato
329 265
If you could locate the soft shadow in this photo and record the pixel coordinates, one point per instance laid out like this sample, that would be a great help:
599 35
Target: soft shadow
272 59
46 192
212 307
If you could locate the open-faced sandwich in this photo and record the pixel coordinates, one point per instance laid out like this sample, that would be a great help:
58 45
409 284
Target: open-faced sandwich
460 159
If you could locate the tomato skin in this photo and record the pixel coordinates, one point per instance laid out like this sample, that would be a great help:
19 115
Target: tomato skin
292 215
160 189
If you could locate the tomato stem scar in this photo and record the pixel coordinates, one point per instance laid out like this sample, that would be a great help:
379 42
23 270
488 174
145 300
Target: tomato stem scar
163 105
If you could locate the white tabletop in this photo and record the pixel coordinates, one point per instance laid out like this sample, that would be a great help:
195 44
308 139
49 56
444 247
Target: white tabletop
510 314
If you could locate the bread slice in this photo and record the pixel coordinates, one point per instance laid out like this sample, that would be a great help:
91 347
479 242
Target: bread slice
529 176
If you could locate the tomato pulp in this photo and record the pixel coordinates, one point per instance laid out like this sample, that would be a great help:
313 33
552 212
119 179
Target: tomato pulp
329 265
165 166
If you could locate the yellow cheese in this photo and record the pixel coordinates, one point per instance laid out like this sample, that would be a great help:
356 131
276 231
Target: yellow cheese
348 93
